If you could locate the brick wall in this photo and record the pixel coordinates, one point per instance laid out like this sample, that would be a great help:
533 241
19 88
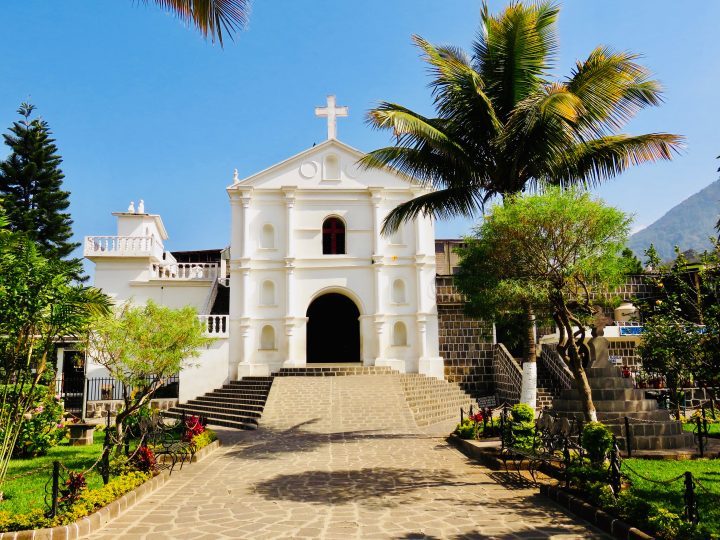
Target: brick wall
625 349
465 342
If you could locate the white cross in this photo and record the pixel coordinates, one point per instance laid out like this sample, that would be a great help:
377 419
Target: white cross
332 112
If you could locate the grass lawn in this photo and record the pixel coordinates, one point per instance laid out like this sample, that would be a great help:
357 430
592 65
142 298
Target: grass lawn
26 493
670 496
713 429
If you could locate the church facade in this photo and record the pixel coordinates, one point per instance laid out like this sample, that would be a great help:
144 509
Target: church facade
312 280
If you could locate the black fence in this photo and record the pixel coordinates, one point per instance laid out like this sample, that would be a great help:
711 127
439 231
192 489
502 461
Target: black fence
75 390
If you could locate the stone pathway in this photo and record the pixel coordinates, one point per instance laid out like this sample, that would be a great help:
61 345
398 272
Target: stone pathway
305 482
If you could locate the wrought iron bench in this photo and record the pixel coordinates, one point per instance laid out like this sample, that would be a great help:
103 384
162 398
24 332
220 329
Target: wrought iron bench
167 440
555 440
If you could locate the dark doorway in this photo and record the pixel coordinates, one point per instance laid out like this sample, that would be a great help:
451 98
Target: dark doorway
333 330
72 386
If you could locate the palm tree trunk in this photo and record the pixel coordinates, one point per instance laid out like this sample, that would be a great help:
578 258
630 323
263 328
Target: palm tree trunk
528 392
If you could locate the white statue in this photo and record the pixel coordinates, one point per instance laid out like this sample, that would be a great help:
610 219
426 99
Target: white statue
141 207
236 178
131 208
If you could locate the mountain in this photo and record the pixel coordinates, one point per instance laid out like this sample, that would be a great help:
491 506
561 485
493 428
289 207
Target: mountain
688 225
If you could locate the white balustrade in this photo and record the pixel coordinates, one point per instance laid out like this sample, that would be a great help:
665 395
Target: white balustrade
123 246
217 326
184 271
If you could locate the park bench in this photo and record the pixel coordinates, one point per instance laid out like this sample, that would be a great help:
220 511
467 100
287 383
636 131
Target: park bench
166 437
555 440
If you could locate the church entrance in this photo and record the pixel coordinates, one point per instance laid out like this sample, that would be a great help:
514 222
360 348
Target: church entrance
333 330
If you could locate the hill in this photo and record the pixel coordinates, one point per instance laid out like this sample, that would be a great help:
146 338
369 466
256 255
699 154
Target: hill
688 225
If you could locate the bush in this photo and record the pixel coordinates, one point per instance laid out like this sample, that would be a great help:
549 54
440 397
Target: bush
521 412
193 427
144 460
85 504
204 439
466 430
597 440
42 426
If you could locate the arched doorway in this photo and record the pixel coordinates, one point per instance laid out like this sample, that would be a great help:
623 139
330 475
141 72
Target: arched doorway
333 330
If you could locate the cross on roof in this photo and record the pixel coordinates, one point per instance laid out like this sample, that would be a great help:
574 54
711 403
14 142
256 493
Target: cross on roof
332 112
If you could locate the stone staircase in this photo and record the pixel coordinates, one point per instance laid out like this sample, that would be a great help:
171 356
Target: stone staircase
547 388
433 400
416 399
615 398
238 404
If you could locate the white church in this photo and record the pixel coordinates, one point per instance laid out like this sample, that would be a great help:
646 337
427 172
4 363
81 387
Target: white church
307 278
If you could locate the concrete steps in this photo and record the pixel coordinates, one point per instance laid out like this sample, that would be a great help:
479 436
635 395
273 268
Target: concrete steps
615 399
237 404
433 400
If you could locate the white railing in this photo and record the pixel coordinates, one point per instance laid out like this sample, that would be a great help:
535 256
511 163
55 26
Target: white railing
123 246
217 326
184 271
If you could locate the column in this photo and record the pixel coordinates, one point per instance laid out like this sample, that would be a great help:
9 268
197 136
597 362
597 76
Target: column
377 258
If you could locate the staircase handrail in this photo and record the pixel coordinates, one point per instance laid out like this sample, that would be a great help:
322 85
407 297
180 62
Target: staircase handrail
556 366
507 375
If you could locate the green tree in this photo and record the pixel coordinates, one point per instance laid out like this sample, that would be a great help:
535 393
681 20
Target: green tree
39 304
31 188
557 250
141 346
681 336
634 265
504 126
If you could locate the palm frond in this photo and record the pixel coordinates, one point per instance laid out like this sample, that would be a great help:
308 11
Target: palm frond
613 88
444 203
515 51
214 18
591 162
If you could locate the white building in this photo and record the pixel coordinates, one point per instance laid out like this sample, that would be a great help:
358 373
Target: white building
311 279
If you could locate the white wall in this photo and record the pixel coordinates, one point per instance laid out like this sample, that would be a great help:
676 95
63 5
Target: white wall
207 372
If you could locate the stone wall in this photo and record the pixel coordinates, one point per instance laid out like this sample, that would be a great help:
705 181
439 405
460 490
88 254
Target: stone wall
100 408
625 349
465 342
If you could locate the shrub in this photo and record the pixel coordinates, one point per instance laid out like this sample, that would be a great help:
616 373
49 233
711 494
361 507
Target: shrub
42 426
521 412
204 439
193 427
144 460
466 430
87 502
74 487
597 440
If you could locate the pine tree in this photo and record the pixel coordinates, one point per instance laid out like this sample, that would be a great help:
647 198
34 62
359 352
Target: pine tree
31 188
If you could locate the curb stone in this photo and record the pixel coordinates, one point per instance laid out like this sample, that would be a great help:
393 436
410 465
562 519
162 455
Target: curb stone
601 519
100 518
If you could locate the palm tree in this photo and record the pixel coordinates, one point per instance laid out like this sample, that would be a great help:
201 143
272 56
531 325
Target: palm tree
504 126
214 18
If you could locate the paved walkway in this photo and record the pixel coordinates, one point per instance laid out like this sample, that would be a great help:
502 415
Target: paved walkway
303 483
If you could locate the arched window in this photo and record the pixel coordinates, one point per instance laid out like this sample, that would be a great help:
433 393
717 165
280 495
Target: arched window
267 241
267 293
398 291
333 236
399 334
267 338
331 167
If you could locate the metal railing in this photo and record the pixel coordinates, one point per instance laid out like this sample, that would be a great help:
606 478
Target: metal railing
107 388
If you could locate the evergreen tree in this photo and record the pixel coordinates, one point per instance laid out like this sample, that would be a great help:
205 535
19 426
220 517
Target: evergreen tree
31 188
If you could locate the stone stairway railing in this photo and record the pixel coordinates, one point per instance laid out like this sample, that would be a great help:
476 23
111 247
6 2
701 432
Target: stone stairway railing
507 375
555 365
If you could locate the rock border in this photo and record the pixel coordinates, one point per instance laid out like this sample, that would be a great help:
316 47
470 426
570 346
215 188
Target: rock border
601 519
97 520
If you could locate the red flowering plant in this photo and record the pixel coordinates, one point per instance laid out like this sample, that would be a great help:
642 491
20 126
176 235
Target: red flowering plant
144 459
193 427
74 486
478 417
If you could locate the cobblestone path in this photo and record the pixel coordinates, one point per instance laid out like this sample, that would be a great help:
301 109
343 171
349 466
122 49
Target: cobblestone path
299 483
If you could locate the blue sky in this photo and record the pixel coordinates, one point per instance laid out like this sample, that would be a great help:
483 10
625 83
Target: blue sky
143 107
